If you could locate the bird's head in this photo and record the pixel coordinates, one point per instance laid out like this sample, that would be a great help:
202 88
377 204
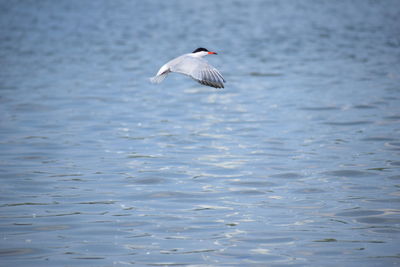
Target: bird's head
201 52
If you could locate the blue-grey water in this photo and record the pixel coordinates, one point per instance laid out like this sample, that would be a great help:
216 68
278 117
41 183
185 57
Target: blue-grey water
296 162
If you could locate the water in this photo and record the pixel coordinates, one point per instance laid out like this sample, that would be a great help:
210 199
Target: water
296 162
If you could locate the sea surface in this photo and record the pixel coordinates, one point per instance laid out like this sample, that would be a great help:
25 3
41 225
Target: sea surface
295 163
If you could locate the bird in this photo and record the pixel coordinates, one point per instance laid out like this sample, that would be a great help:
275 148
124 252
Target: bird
194 66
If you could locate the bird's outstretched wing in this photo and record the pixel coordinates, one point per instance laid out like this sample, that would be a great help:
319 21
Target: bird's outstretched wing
199 70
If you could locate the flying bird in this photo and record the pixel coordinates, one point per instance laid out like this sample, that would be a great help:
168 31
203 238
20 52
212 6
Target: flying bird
194 66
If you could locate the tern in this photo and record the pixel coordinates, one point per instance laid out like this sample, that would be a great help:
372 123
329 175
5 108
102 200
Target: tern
194 66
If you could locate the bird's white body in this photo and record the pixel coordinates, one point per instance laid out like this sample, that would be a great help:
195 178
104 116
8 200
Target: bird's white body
194 66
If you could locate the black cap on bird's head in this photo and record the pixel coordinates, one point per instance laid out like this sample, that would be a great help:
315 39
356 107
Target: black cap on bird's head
201 49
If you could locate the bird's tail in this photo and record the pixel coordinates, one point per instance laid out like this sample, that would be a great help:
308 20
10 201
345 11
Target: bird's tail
158 78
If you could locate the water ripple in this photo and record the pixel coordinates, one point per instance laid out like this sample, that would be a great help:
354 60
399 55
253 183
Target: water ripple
348 173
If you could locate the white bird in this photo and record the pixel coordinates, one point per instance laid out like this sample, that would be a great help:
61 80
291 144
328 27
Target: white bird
194 66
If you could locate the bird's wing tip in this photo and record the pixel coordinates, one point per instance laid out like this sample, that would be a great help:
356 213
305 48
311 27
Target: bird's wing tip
152 79
158 78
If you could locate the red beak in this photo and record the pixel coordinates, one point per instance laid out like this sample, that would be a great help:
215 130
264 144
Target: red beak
212 53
